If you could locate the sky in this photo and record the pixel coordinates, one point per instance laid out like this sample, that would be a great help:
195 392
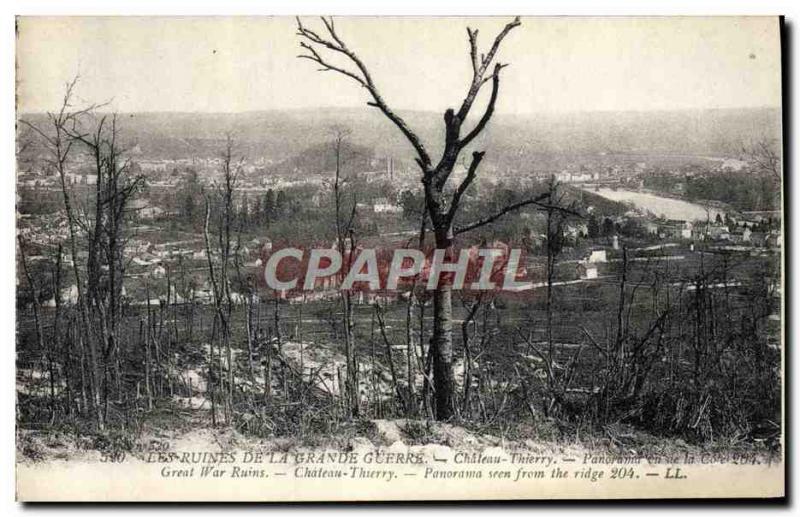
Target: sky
561 64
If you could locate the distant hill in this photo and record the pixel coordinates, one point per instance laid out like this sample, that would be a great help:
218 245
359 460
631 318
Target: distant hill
509 139
322 158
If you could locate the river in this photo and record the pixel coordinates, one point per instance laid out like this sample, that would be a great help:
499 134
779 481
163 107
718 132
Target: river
660 206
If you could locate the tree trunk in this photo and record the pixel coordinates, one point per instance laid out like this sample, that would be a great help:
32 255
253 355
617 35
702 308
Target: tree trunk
442 341
443 379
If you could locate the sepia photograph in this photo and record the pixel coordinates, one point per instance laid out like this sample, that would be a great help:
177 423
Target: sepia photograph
399 258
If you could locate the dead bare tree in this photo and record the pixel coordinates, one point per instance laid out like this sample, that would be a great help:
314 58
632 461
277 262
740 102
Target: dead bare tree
441 206
472 307
219 274
765 157
59 148
99 298
115 188
345 238
555 219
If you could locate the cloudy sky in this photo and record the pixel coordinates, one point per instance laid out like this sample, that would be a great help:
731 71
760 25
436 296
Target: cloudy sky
220 64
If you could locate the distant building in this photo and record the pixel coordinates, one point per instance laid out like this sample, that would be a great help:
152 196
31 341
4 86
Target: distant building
741 235
587 270
650 227
576 230
718 232
382 205
69 295
675 229
596 256
582 177
763 216
774 239
142 210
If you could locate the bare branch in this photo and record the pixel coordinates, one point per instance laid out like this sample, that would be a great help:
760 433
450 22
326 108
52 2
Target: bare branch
499 39
326 67
593 341
479 68
473 49
765 158
471 173
363 77
510 208
487 115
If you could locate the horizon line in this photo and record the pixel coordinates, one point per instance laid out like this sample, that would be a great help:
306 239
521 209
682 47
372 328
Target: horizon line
424 111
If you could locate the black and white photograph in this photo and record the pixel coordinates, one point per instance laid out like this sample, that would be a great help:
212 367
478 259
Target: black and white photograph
399 258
